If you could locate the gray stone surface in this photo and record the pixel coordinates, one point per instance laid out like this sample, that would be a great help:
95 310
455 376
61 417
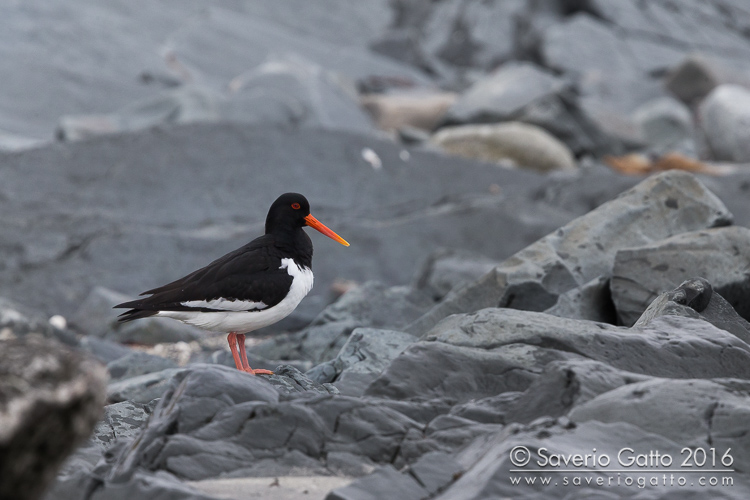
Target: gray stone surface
137 363
50 399
289 91
141 388
664 123
370 305
591 301
724 117
447 269
366 353
534 278
641 273
698 74
152 331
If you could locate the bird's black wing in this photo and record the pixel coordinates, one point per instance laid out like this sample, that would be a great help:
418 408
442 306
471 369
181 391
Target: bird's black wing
249 274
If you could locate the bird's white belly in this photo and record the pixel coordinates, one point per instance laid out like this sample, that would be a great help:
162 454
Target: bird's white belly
248 321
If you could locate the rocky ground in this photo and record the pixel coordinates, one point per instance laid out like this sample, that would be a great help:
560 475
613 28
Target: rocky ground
547 205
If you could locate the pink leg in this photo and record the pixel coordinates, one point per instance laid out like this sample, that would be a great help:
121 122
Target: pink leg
245 362
232 339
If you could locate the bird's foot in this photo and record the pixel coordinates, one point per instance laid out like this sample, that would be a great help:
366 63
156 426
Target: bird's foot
259 371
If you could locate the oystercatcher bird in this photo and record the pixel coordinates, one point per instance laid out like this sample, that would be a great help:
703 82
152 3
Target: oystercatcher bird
252 287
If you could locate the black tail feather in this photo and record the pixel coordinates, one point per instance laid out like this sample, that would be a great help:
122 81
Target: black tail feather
135 314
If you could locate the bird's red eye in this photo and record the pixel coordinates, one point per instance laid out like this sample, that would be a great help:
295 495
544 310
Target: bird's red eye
295 206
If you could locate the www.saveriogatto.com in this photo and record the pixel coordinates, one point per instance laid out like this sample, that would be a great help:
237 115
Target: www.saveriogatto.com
693 467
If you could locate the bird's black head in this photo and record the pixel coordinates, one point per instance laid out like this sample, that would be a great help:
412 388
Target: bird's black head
287 212
291 211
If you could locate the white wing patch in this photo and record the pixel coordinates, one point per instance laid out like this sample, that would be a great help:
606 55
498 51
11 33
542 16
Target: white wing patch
226 304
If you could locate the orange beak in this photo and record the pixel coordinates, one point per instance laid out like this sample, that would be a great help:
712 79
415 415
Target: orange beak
316 224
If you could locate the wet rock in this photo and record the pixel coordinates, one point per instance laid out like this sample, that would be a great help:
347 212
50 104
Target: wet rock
519 144
724 117
583 250
641 273
50 399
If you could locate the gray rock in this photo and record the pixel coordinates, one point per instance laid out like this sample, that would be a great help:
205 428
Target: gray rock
591 301
641 273
702 413
121 421
146 65
504 93
433 471
18 321
519 144
665 347
174 106
724 118
447 269
386 482
583 250
214 420
664 123
526 93
141 388
563 386
696 76
462 373
105 351
152 331
696 298
137 363
370 305
95 315
601 61
288 380
366 353
50 399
